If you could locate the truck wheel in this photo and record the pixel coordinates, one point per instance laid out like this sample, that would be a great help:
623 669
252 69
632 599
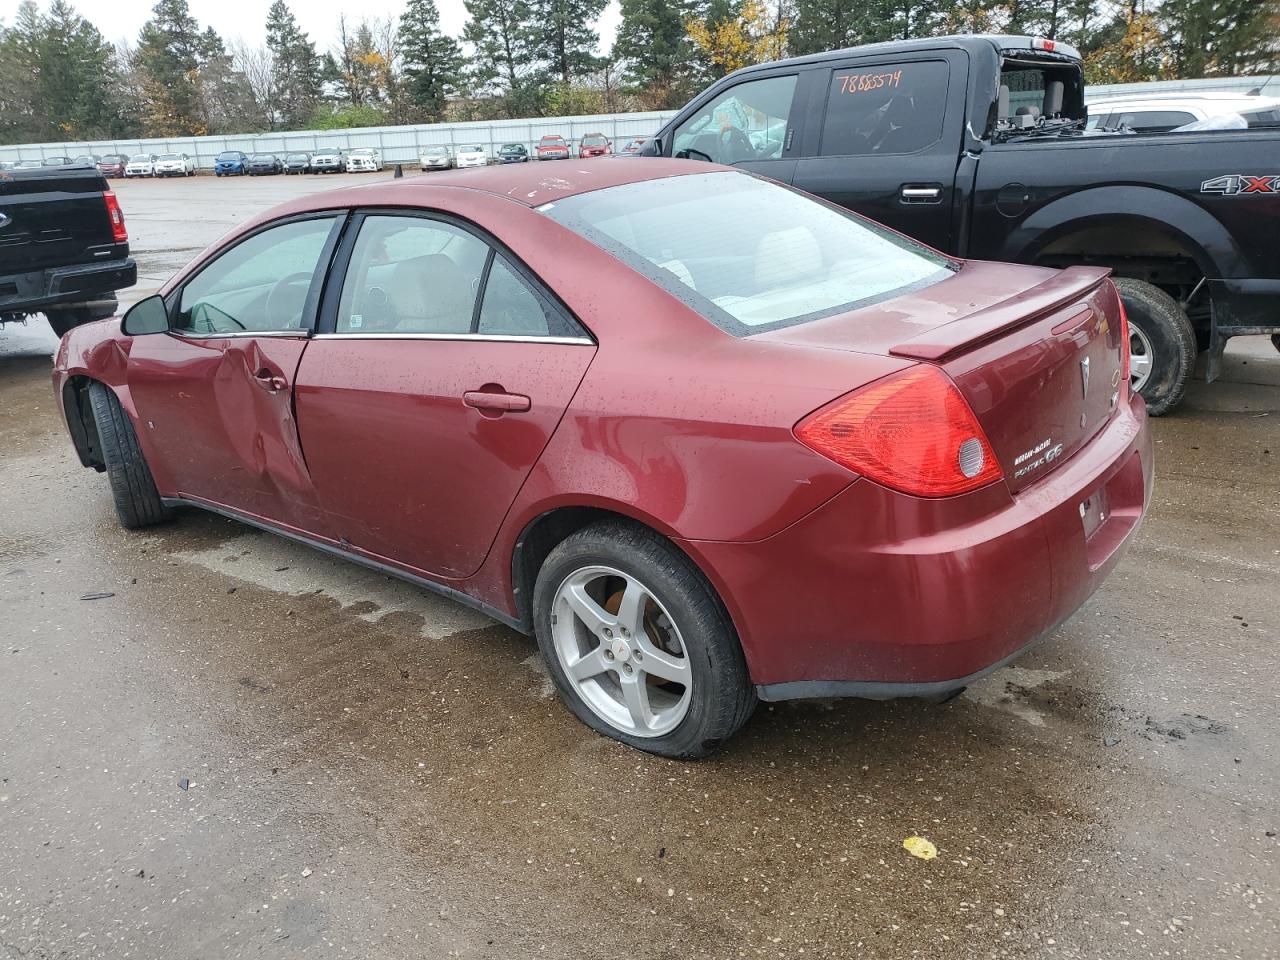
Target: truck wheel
62 319
1162 344
132 486
637 643
1275 341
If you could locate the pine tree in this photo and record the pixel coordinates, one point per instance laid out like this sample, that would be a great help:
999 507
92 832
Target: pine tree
170 51
295 67
565 37
653 43
504 48
432 60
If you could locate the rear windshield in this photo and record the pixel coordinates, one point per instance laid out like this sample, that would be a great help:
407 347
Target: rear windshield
747 254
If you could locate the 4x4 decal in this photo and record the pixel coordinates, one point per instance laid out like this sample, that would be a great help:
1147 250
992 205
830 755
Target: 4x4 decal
1238 184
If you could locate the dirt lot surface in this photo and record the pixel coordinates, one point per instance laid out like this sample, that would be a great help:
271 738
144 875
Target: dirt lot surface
248 749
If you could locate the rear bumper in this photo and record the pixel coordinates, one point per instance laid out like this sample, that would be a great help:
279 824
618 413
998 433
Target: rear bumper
44 288
878 594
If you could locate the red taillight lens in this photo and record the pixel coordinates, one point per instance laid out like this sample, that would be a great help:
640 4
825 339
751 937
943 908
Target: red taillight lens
118 233
911 431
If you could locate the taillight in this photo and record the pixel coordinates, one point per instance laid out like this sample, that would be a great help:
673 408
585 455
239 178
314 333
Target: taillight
118 233
911 431
1124 341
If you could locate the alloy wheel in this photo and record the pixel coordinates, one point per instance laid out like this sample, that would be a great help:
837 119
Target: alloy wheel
621 651
1141 357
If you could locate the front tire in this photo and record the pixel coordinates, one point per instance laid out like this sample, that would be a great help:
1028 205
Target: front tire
132 487
637 643
1162 344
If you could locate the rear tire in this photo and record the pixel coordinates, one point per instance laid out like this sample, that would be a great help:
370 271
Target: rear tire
1161 335
681 630
132 487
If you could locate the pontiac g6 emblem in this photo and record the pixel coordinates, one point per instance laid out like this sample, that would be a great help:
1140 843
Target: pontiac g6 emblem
1084 377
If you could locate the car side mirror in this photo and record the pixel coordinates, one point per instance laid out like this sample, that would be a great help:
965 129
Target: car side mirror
146 316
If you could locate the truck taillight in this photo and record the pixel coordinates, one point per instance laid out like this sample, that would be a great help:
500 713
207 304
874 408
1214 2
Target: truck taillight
1124 343
912 431
1040 43
118 233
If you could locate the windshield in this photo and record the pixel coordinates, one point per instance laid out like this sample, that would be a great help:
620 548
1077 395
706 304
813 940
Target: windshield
228 156
435 151
594 141
298 156
553 141
140 158
513 147
263 156
747 254
362 153
170 156
475 149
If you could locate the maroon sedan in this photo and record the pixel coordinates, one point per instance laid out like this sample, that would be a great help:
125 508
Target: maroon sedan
709 439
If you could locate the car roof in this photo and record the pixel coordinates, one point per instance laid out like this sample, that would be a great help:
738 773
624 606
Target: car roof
528 184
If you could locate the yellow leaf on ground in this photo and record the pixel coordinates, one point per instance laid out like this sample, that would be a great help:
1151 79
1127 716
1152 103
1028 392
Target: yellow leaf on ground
920 847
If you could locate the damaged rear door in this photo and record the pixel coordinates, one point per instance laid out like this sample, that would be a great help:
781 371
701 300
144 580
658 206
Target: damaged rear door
215 395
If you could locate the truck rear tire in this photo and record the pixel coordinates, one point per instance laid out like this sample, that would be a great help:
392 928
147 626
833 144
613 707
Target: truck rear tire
132 487
1162 344
62 319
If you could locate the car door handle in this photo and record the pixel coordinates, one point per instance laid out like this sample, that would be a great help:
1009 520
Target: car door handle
502 402
920 193
269 380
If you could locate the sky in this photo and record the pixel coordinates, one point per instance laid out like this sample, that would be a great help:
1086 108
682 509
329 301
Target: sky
122 19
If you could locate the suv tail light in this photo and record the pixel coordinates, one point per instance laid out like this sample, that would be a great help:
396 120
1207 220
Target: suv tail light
118 233
911 431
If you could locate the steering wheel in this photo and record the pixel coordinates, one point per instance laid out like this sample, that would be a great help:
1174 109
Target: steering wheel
736 145
284 306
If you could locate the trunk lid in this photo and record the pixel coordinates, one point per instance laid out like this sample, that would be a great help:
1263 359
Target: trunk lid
51 218
1037 353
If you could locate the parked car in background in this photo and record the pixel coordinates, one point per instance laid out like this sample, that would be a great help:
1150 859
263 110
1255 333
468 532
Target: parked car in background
85 160
976 146
175 165
328 161
552 147
633 146
594 145
1159 113
264 165
112 165
297 163
513 153
364 160
140 165
435 158
64 250
231 163
56 162
472 155
28 165
481 414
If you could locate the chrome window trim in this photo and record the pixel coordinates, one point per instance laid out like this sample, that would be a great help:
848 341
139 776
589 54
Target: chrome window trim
498 337
296 334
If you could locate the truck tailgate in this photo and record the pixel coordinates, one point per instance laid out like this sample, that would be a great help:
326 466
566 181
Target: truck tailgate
51 218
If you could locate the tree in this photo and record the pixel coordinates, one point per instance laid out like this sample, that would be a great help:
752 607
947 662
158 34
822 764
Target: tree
433 63
653 43
295 68
170 52
504 48
731 42
565 37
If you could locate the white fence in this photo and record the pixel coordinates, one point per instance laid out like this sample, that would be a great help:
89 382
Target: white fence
396 144
404 144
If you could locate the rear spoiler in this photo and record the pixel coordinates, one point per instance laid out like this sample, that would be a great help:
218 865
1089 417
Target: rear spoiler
1059 290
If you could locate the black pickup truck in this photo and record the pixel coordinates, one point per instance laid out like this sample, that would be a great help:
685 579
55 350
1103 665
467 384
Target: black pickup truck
977 145
64 250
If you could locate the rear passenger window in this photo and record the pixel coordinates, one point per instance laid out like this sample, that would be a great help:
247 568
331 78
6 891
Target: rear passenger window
512 308
889 108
